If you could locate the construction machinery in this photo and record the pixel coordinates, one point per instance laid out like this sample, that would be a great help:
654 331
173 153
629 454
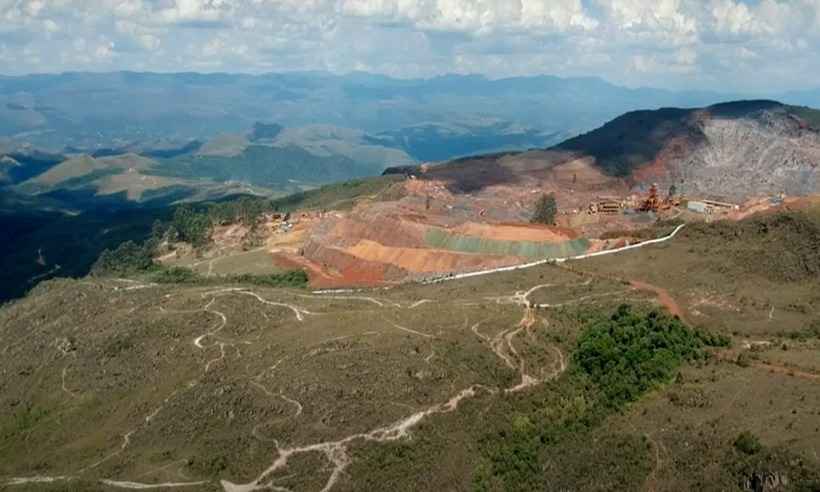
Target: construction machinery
652 202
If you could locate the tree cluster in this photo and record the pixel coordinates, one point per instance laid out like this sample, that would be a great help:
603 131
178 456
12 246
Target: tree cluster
128 257
545 210
630 353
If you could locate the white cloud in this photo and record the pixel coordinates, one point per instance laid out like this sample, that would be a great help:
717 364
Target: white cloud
104 51
640 42
475 16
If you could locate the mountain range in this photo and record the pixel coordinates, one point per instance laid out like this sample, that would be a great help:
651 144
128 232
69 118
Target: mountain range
91 111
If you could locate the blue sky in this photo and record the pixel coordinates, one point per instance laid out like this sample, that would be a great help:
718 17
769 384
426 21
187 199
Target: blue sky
730 45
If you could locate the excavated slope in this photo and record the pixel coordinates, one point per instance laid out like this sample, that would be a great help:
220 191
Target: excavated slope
731 151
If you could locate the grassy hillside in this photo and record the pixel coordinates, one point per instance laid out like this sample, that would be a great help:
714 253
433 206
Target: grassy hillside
779 247
341 196
809 115
578 377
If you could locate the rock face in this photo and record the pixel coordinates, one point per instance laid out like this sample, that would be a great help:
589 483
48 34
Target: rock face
732 151
767 152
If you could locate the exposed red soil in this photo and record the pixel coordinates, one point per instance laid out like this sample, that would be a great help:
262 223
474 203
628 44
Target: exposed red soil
676 148
382 228
352 271
486 197
663 295
316 274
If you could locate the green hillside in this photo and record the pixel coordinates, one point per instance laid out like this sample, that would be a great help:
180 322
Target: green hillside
578 376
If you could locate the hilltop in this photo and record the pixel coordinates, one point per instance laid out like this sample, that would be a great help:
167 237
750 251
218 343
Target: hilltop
728 151
731 151
475 213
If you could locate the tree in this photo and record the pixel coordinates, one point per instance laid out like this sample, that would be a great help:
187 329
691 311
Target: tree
128 257
545 210
191 226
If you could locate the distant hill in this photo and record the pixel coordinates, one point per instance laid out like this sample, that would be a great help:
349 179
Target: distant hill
268 160
91 111
731 150
735 149
17 165
169 115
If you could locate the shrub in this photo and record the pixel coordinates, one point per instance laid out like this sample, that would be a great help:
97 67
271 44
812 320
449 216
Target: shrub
293 278
747 443
191 225
175 275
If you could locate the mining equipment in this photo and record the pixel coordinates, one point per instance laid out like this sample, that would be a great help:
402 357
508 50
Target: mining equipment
605 205
652 202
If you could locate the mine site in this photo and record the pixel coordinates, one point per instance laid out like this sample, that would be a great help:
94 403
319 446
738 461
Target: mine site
475 214
423 246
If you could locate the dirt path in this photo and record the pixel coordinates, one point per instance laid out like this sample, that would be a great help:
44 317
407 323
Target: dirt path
651 482
789 371
336 452
505 345
663 296
147 486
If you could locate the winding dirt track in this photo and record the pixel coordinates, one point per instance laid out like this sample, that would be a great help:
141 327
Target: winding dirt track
503 345
336 452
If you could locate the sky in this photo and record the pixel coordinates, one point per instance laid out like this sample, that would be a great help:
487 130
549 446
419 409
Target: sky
724 45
